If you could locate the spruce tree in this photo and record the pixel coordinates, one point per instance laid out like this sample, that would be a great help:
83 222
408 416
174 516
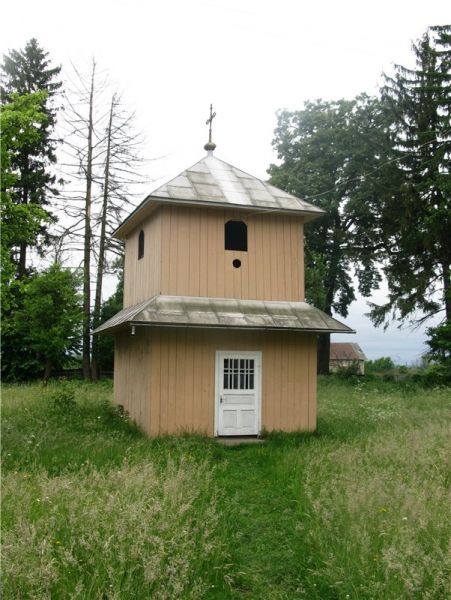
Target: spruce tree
416 217
24 72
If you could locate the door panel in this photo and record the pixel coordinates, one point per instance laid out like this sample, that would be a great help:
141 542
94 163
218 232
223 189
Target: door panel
238 393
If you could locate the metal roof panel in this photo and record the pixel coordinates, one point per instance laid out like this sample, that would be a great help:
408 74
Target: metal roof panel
212 179
193 311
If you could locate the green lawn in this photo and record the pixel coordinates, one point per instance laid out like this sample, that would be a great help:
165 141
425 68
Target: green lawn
93 509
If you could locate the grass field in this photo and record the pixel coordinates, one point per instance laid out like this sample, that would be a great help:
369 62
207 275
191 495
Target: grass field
94 510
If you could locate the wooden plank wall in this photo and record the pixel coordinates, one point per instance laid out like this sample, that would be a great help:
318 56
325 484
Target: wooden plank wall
142 277
195 263
182 392
184 255
132 356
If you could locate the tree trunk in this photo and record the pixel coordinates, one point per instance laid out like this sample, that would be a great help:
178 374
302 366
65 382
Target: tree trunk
102 244
22 267
87 243
22 260
47 371
447 291
323 354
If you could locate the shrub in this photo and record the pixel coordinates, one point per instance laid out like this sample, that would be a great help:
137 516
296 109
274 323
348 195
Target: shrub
434 375
349 371
379 365
63 399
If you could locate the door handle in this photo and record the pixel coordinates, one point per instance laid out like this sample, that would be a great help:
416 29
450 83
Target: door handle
220 399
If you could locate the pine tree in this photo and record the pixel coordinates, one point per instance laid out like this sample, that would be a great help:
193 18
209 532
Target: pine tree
416 217
24 72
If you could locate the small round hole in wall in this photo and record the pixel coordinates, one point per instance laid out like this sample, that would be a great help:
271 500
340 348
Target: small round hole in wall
236 263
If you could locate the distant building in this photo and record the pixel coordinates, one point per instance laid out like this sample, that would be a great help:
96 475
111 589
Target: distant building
345 355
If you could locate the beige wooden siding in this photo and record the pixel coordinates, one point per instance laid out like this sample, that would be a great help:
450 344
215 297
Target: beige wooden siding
132 358
195 263
142 277
175 391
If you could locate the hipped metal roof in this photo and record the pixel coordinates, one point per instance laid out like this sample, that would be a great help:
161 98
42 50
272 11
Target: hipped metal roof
211 182
190 311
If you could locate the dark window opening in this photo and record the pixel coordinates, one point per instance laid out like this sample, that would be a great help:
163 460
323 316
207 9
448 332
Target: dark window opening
236 236
239 374
141 244
236 263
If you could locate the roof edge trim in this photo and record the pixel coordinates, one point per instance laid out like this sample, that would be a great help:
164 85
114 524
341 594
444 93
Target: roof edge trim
118 234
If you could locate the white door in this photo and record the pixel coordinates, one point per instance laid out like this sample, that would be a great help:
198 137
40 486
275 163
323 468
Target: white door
238 399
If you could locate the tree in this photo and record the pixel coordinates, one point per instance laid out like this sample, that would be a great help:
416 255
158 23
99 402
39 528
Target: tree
379 365
120 173
105 343
101 150
329 152
416 216
45 330
22 73
22 120
439 343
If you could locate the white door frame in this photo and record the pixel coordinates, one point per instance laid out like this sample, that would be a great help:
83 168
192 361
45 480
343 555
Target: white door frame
257 356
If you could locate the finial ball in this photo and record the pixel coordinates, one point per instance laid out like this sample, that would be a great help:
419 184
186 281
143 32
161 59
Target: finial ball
209 146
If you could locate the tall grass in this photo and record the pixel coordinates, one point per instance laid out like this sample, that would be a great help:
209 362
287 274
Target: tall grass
135 532
94 509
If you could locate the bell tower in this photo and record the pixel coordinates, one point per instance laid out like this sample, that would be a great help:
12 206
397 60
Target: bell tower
215 335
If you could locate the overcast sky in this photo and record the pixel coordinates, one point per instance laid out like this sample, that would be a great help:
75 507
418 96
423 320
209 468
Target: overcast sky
171 58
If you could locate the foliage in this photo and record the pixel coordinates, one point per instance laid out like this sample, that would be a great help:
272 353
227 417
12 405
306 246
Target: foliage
93 508
44 329
439 343
63 399
350 371
326 150
26 73
379 365
22 120
416 216
315 274
105 343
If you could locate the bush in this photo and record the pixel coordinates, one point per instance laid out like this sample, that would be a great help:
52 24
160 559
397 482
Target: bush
439 343
63 399
349 372
379 365
434 375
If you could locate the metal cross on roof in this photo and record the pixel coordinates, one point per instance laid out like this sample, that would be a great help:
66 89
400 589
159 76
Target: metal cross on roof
210 146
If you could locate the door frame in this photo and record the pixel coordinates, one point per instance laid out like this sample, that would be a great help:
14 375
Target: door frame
257 355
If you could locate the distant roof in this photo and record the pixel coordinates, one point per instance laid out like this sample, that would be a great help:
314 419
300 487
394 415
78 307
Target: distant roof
193 311
213 182
346 351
